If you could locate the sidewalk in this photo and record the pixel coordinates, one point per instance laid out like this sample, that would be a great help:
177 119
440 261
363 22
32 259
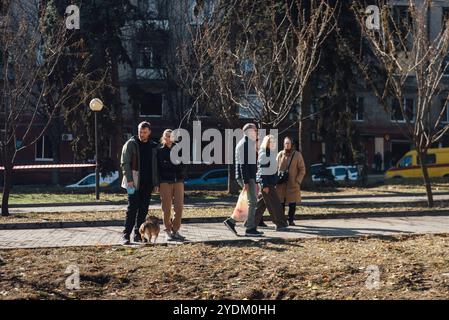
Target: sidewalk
217 232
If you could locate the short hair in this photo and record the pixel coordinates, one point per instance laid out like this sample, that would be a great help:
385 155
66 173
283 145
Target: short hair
249 126
144 124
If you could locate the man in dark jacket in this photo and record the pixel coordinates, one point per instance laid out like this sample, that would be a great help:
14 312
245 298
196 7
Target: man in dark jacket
245 174
140 177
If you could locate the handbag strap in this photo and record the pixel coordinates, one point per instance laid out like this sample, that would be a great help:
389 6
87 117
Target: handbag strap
293 154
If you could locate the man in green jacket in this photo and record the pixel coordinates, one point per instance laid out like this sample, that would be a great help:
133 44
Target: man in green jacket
140 178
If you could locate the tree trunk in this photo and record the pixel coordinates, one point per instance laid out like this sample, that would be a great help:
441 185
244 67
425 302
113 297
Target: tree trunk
7 183
300 128
425 172
232 184
55 155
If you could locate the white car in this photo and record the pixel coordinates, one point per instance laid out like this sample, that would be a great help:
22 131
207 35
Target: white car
89 181
340 173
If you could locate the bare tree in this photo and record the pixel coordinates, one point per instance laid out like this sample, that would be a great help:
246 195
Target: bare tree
256 57
411 60
33 42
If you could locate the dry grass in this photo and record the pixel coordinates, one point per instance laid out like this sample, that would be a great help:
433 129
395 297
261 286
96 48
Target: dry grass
410 268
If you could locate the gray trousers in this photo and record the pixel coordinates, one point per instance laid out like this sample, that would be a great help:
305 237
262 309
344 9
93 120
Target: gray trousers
252 203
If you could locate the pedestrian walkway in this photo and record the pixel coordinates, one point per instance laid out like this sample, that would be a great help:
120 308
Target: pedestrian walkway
212 232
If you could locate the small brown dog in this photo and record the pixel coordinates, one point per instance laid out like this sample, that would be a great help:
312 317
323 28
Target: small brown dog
150 228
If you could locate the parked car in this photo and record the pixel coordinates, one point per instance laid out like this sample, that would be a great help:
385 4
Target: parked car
89 181
410 167
212 177
334 173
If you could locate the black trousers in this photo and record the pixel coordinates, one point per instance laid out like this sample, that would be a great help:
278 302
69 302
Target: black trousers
137 210
291 211
261 208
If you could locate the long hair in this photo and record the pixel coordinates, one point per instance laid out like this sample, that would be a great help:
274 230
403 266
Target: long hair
162 140
266 142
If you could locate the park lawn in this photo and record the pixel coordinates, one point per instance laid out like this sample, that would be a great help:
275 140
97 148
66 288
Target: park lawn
30 196
324 211
53 196
410 267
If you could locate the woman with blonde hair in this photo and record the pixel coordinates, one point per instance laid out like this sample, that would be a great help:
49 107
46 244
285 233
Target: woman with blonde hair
171 187
267 177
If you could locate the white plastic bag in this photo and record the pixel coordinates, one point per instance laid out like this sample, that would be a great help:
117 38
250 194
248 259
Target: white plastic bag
241 208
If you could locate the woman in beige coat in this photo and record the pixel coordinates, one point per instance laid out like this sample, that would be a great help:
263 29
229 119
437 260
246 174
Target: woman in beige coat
290 192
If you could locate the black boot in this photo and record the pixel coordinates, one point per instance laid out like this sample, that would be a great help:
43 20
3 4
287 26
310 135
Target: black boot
291 214
262 224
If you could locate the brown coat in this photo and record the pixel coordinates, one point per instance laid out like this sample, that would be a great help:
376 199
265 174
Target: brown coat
291 191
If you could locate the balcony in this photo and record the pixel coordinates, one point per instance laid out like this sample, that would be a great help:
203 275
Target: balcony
153 74
155 24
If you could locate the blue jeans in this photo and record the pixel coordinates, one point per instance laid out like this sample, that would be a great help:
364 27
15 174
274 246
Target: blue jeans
252 203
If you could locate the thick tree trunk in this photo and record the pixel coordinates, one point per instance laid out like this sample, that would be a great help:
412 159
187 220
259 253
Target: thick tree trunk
427 184
7 183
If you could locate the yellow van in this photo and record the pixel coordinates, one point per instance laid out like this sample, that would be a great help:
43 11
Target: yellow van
409 166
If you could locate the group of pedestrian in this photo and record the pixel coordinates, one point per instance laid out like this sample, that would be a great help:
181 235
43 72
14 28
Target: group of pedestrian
278 188
147 168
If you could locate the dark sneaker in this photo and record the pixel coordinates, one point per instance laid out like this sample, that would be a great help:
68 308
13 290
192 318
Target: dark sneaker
137 238
124 241
291 223
177 236
253 233
230 225
263 224
169 235
282 228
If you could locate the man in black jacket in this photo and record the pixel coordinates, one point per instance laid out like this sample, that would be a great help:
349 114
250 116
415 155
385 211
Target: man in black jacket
245 174
140 178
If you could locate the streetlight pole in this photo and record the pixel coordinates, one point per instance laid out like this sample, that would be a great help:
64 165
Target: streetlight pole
97 168
96 105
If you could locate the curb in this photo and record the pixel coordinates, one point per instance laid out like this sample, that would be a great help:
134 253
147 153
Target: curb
119 223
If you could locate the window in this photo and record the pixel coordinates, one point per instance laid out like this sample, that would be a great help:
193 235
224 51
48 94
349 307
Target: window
217 175
148 6
430 159
359 109
340 172
396 111
148 57
405 162
251 107
44 150
401 25
89 180
151 105
200 10
445 16
246 66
